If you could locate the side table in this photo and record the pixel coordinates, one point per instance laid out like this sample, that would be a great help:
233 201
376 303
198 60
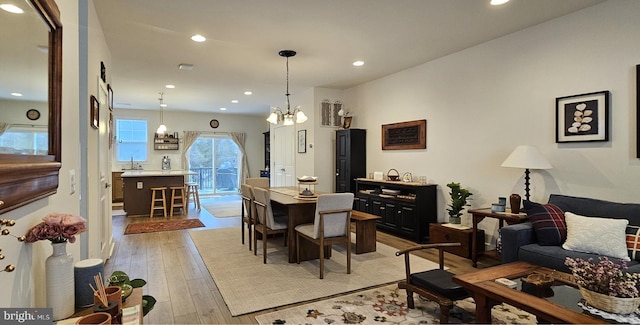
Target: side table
448 233
478 215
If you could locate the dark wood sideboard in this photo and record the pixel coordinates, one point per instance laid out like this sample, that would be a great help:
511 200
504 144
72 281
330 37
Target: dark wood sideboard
406 208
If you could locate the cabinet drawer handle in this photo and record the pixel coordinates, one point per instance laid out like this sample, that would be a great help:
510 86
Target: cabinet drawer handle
399 212
382 208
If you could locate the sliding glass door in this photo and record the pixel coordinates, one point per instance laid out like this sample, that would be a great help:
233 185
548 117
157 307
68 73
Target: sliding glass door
216 160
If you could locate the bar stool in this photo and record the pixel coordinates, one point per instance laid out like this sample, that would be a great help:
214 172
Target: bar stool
177 196
192 190
162 199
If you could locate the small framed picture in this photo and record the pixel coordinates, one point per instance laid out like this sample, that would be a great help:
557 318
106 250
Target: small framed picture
110 97
94 111
302 141
583 118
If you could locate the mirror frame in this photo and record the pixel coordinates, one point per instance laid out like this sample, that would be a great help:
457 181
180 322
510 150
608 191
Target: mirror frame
28 178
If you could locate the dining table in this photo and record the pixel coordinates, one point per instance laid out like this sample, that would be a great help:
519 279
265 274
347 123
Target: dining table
300 210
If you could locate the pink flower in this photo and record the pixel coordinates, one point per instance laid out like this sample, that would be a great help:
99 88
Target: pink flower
58 228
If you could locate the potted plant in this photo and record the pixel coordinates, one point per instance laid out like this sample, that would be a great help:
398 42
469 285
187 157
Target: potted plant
459 197
605 285
121 279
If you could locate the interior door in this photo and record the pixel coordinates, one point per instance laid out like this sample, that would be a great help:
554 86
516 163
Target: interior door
104 170
283 157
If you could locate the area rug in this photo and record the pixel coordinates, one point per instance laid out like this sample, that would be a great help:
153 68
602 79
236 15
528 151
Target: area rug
144 227
247 285
387 304
223 206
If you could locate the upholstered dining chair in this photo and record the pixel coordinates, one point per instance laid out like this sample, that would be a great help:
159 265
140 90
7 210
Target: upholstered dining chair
266 222
330 226
257 182
436 285
248 211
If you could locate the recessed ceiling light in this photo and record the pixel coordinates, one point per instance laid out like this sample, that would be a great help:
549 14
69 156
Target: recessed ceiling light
11 8
235 101
198 38
16 94
498 2
170 86
223 108
185 66
248 93
358 63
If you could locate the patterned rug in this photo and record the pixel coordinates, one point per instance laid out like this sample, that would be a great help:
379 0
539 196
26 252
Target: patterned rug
144 227
387 305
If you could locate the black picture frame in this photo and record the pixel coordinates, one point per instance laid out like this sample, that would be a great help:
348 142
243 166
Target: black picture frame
110 97
583 118
94 111
638 111
302 141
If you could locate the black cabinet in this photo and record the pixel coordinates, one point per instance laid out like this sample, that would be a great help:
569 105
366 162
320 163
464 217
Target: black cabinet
351 162
406 208
267 155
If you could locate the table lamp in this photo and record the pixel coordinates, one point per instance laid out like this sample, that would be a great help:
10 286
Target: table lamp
527 157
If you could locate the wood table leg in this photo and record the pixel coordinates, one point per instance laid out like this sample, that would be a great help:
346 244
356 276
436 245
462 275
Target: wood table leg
483 309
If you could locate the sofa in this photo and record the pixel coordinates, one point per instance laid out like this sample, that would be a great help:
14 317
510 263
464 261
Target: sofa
524 242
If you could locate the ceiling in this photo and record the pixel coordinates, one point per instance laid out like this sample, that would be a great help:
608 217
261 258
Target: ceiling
148 39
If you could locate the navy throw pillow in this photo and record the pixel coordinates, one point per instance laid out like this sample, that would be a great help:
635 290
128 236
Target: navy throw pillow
548 223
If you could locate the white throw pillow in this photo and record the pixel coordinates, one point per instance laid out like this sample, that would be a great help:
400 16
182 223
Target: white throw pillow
604 236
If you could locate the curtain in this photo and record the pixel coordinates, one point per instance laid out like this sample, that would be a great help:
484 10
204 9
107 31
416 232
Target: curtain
238 138
4 127
189 138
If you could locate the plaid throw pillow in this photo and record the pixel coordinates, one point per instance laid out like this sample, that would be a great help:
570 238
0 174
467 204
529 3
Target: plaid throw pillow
633 242
548 223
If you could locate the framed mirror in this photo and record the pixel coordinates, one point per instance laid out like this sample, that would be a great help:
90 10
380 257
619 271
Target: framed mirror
29 176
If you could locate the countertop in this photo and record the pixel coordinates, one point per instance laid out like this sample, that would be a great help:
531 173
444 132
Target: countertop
151 173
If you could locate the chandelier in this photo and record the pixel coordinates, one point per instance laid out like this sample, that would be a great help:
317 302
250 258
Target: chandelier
287 117
162 129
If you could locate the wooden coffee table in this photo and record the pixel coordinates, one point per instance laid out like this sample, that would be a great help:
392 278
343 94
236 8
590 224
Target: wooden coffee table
560 308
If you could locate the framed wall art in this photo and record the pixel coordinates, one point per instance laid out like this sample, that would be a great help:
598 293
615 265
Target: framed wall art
302 141
110 97
93 113
405 135
638 111
582 118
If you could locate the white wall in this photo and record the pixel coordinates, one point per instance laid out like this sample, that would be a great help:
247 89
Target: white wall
252 126
482 102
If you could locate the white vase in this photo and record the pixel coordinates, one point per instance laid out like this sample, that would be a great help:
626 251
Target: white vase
60 282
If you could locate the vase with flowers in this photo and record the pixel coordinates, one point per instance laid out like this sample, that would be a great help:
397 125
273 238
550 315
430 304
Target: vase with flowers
59 228
605 285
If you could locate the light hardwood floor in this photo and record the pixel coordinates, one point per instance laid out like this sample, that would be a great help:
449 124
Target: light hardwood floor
179 280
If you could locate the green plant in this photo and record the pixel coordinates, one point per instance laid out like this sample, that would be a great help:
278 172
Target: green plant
459 197
119 278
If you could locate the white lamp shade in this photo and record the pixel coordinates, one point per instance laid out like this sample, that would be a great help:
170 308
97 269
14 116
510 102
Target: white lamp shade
300 117
526 156
161 129
288 120
273 118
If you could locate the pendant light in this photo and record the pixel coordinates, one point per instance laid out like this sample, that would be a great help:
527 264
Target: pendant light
162 129
288 117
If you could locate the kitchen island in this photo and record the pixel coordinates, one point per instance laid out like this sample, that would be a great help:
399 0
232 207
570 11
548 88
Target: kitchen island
138 184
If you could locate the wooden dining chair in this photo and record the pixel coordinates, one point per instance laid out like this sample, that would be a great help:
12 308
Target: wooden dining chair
248 211
330 226
266 222
436 285
257 182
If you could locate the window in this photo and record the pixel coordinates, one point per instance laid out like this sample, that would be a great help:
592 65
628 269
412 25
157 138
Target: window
131 140
25 140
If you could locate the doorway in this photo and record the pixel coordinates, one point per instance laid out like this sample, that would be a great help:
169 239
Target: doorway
216 160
